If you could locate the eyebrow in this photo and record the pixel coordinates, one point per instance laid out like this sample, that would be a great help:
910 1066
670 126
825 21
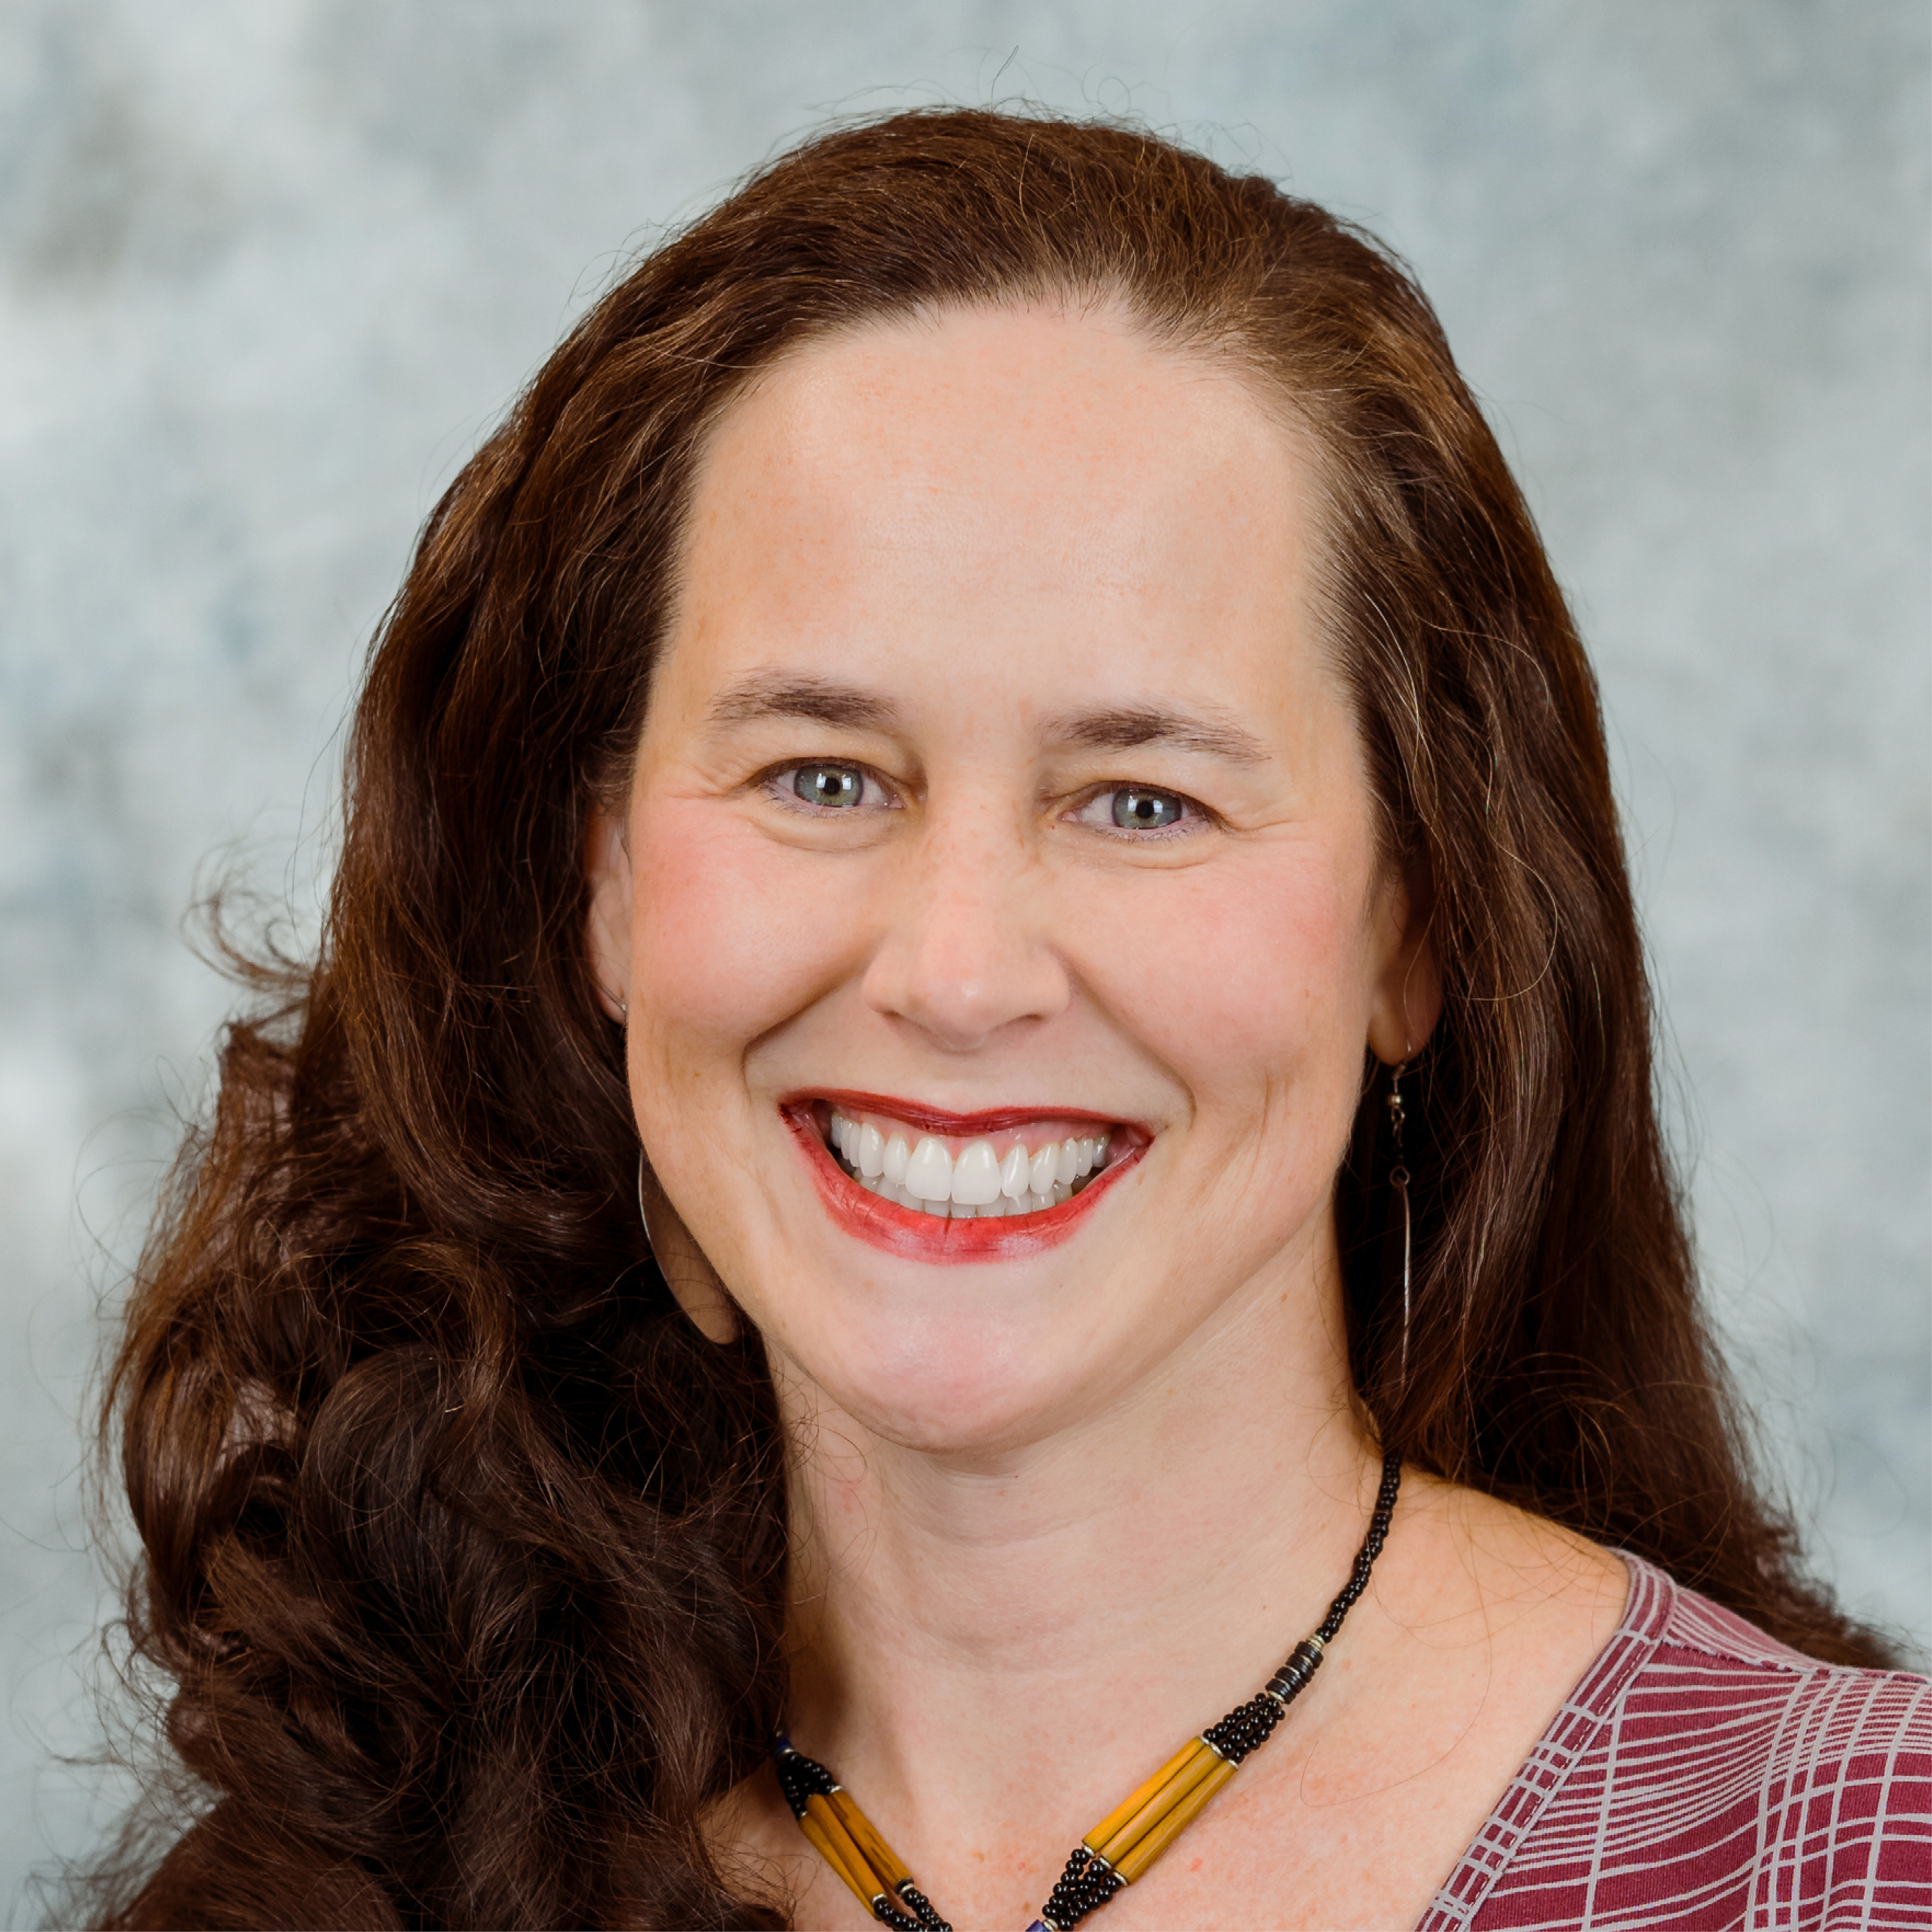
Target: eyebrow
1119 728
1123 727
822 700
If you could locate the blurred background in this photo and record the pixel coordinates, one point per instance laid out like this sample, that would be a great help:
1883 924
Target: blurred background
269 269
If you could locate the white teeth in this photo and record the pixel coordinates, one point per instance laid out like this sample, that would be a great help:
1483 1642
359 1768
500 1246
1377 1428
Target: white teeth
1013 1172
929 1172
976 1175
926 1177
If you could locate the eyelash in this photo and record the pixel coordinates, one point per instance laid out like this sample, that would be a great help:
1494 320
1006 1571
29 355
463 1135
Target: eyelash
775 780
1195 816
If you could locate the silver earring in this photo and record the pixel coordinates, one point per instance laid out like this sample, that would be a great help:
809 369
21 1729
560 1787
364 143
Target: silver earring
1399 1183
693 1282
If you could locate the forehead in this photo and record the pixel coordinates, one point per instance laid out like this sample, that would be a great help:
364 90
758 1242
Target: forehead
1023 479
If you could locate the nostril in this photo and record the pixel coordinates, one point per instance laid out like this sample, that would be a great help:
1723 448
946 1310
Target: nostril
960 980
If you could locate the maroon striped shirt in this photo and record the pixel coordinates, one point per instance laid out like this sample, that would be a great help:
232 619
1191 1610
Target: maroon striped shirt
1702 1775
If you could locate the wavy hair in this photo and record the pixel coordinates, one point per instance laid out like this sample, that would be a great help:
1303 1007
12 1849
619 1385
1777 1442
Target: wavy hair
464 1555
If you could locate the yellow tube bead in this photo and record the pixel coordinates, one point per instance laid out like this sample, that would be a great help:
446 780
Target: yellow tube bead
855 1868
1115 1818
880 1855
1199 1766
821 1841
1131 1865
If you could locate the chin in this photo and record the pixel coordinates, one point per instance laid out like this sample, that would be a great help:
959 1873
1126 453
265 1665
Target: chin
964 1416
959 1384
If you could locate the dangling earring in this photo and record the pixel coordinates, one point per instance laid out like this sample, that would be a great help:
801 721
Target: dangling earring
1399 1186
694 1284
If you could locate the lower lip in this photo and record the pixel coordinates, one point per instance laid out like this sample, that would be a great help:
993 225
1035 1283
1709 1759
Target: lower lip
929 1238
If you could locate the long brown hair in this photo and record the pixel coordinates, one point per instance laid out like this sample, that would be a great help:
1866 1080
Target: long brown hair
464 1552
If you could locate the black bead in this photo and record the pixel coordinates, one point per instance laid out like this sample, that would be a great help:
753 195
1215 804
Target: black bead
800 1777
1084 1886
929 1920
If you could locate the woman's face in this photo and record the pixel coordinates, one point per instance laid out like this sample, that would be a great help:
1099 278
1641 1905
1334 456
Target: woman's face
1000 817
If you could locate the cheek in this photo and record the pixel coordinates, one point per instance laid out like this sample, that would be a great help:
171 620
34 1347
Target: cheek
728 940
1249 981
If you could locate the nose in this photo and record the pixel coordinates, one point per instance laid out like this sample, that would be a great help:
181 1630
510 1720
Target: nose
964 950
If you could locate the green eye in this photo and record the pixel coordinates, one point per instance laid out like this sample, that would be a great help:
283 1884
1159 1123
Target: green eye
1138 810
828 785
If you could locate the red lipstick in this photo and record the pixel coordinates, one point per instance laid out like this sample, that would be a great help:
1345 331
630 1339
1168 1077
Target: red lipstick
930 1237
938 1119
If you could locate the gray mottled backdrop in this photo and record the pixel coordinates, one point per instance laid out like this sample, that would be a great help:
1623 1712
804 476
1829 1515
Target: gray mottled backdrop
267 269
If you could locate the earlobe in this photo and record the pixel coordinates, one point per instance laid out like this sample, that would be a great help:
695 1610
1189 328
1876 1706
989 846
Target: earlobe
607 871
1408 993
693 1282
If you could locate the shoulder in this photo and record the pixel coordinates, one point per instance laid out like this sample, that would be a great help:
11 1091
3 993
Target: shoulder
1702 1774
1712 1675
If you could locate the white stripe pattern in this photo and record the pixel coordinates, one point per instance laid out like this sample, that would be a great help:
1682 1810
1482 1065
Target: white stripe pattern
1702 1775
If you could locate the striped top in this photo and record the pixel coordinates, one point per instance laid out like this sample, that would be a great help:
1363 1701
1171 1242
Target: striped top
1702 1775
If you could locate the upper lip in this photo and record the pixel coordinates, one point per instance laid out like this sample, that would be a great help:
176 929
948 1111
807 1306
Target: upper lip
943 1120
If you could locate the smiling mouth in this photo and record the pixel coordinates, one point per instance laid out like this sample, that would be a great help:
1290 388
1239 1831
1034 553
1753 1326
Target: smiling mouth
1008 1174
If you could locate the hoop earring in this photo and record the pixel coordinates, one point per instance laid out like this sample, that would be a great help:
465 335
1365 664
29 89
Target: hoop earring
694 1284
1399 1186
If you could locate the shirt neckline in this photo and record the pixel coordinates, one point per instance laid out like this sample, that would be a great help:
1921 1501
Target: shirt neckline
1647 1613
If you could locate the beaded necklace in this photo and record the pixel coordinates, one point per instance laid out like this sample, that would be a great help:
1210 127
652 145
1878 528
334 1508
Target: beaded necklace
1132 1836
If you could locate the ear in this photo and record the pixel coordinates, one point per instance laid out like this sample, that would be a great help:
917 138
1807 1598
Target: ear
684 1266
606 870
1408 998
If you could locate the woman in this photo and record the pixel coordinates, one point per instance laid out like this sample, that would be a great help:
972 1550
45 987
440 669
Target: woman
981 1043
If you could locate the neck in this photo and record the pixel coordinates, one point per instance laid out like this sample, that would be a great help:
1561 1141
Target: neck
978 1641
